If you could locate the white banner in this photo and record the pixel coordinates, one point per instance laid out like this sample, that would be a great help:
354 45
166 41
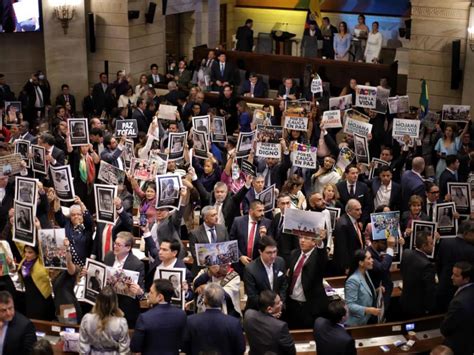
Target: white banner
403 127
357 127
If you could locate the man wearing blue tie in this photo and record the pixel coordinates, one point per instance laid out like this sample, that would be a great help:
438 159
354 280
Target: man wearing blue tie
222 73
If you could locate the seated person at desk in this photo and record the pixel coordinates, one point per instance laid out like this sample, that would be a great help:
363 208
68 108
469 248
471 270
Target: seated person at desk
253 87
287 90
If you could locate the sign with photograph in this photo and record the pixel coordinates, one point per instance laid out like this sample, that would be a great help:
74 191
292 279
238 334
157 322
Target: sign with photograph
356 115
361 146
366 96
418 227
168 191
62 179
167 112
176 276
304 156
382 100
128 153
12 112
447 224
26 190
398 104
461 196
297 107
202 123
296 123
303 223
23 224
200 147
159 162
244 144
95 280
267 196
78 131
456 113
346 156
340 103
403 127
218 130
110 174
176 143
121 280
375 165
248 168
127 128
385 224
53 249
332 119
142 169
11 164
334 213
261 117
352 126
104 203
268 141
22 147
208 254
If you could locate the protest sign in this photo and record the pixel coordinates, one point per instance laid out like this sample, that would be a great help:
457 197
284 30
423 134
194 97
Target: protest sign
356 115
375 165
346 156
341 102
382 100
403 127
316 85
245 144
167 112
11 164
304 156
352 126
461 196
304 223
447 224
248 168
385 224
267 196
268 141
110 174
296 123
398 104
361 149
297 107
366 96
456 113
332 119
208 254
127 128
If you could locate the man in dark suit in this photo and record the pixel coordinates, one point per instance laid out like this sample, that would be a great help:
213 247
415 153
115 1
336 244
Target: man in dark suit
458 324
288 91
329 333
450 251
307 299
102 96
227 337
382 252
449 174
222 73
286 242
253 87
412 182
418 275
160 329
347 236
35 100
5 92
155 78
139 115
88 106
265 332
122 258
245 37
112 151
107 233
66 97
265 273
353 189
275 170
433 197
248 230
386 191
24 129
20 332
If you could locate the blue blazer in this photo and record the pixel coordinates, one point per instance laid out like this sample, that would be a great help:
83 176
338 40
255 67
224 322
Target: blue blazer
411 185
258 91
358 298
159 331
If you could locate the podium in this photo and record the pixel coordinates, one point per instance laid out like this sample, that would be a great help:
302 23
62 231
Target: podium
282 41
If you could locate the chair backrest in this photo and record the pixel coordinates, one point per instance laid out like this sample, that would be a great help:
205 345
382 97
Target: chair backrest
264 43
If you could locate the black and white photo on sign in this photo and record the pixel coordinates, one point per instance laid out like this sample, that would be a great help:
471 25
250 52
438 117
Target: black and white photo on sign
456 113
334 213
26 190
63 183
78 131
366 96
303 223
53 249
200 144
104 202
404 127
304 156
218 130
268 141
95 280
22 147
332 119
248 168
127 128
419 227
445 217
201 123
398 104
167 112
176 143
244 144
177 276
24 228
382 100
168 191
39 164
261 117
376 164
121 280
361 149
296 123
159 162
341 102
110 174
267 196
460 193
352 126
12 112
128 153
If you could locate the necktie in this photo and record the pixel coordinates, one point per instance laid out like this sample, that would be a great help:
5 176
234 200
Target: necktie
297 272
66 98
359 234
268 177
108 239
251 240
280 224
220 215
351 190
430 210
40 96
222 69
213 235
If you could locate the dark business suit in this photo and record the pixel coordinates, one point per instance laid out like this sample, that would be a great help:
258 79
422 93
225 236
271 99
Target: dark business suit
445 177
286 242
361 194
380 273
395 193
266 333
450 251
419 286
20 336
256 281
29 137
199 235
240 232
458 324
346 242
61 101
303 314
161 80
244 38
332 339
142 121
130 306
278 172
227 76
259 90
159 331
292 91
213 332
102 100
411 184
6 203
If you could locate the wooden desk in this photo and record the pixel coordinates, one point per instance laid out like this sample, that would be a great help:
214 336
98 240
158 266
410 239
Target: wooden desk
337 73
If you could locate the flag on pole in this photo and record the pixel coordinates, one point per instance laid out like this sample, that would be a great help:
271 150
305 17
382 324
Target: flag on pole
314 13
424 98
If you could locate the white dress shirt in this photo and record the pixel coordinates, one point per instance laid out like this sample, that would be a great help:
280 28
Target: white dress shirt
161 266
269 271
119 264
383 195
298 292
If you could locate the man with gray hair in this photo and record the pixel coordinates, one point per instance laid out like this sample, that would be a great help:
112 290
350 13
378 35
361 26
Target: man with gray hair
227 336
412 182
347 236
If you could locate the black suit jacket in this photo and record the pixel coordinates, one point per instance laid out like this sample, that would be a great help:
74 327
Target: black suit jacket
260 89
256 281
458 324
240 232
286 242
395 193
419 287
162 80
332 339
102 100
229 73
129 306
142 121
445 177
61 101
278 172
7 203
244 39
20 336
346 242
293 91
312 279
266 333
361 194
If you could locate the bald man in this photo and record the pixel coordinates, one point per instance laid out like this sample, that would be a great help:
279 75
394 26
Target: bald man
413 182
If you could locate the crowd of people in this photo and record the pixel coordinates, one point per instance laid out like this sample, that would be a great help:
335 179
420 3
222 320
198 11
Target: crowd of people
282 273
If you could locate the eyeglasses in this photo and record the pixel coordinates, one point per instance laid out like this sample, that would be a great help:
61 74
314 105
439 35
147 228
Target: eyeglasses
434 192
119 245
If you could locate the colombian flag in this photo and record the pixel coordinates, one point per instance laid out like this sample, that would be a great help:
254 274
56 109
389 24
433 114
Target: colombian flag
314 13
424 98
